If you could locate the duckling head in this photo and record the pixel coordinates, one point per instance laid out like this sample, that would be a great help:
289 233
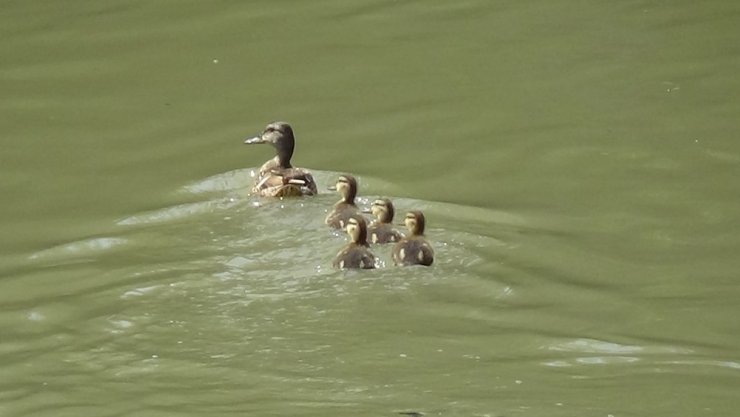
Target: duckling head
280 136
357 230
415 222
347 187
382 209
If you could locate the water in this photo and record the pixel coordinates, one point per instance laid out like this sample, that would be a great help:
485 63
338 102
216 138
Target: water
577 164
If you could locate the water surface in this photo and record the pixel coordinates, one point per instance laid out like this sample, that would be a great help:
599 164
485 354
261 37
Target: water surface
577 163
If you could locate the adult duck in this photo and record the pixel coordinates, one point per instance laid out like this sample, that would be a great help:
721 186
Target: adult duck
277 177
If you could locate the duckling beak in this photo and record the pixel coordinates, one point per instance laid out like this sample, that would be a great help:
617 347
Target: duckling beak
254 140
366 211
332 188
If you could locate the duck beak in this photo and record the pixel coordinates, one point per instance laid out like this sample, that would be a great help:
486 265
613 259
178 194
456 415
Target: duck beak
254 140
366 211
332 188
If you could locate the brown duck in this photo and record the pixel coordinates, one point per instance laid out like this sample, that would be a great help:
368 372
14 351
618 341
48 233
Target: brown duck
414 248
345 208
277 177
381 230
356 254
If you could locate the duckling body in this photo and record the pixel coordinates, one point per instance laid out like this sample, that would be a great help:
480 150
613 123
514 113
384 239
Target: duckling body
414 248
356 254
277 177
345 208
381 229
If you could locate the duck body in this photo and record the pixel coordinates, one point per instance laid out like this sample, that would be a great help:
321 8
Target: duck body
276 181
382 233
381 230
277 177
356 254
344 209
413 249
341 213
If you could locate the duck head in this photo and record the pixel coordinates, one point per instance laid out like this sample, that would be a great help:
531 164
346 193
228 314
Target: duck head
347 187
414 221
382 209
357 230
280 136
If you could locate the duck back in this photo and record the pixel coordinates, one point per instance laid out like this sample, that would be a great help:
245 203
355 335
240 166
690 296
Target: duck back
380 233
413 250
354 256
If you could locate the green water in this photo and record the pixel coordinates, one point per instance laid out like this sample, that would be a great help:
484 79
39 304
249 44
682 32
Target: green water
577 163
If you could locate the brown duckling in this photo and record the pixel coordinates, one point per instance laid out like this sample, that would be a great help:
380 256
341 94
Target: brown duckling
277 177
414 248
356 254
345 208
381 230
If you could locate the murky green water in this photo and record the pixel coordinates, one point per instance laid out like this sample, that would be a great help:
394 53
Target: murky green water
577 162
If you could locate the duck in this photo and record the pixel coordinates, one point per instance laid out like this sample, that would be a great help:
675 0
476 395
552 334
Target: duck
277 177
381 229
345 208
356 254
414 248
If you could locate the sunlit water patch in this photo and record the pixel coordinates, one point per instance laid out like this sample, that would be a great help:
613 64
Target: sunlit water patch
79 249
285 240
232 282
240 289
224 252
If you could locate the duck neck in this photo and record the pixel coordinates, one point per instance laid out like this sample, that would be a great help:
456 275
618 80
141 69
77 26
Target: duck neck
283 158
417 230
362 238
386 217
349 196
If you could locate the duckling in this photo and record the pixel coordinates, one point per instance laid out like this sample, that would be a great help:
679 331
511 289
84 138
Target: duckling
381 230
344 208
413 249
356 254
277 177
